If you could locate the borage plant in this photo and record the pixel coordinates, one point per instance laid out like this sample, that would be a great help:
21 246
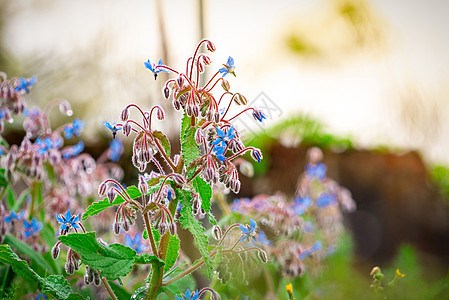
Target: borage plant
179 193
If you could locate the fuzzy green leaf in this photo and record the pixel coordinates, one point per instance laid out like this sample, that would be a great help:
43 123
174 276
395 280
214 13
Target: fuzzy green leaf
97 207
22 248
113 261
163 140
10 197
189 147
55 285
172 252
188 221
3 178
145 259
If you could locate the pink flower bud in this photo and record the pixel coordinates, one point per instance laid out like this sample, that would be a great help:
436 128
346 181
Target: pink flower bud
111 195
117 227
102 189
210 46
180 81
172 228
124 115
55 251
216 232
199 137
160 113
206 59
225 85
166 92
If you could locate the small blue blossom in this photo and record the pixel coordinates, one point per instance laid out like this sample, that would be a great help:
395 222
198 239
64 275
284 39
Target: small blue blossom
155 69
116 150
31 227
228 68
224 137
2 113
13 216
41 296
317 171
219 151
248 232
242 297
67 221
325 200
300 204
74 129
47 144
188 295
25 84
316 247
114 127
259 115
263 238
135 243
73 150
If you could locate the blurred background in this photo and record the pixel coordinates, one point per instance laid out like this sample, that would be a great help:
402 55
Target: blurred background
367 81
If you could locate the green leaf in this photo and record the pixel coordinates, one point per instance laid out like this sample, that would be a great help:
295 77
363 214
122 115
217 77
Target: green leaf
24 249
172 252
205 191
3 178
19 266
188 221
97 207
140 292
189 147
119 291
9 197
164 141
55 285
20 200
145 259
113 261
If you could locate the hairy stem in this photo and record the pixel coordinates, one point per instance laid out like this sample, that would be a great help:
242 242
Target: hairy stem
150 234
108 288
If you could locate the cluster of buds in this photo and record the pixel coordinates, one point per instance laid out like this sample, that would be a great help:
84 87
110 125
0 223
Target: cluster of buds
11 96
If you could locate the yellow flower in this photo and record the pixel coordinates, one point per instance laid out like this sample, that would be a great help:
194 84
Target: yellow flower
399 274
289 288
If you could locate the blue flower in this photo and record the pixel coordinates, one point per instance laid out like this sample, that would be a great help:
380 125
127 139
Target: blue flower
325 200
13 216
47 144
135 243
114 127
73 151
2 113
219 151
41 296
229 67
155 69
300 204
31 227
317 171
67 221
248 232
242 297
116 150
224 137
188 295
25 84
74 129
317 246
263 238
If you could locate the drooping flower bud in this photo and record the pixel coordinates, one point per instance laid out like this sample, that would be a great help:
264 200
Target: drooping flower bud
111 195
256 154
102 189
125 114
126 129
166 92
263 256
206 59
225 85
216 232
55 251
210 46
199 136
117 227
160 113
172 228
69 267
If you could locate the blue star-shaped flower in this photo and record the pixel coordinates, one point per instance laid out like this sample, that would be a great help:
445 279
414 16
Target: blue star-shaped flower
228 68
67 221
47 144
317 246
317 171
300 204
25 84
224 137
31 227
219 151
73 151
74 129
248 232
153 68
114 127
13 216
325 200
188 295
116 149
41 296
134 243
